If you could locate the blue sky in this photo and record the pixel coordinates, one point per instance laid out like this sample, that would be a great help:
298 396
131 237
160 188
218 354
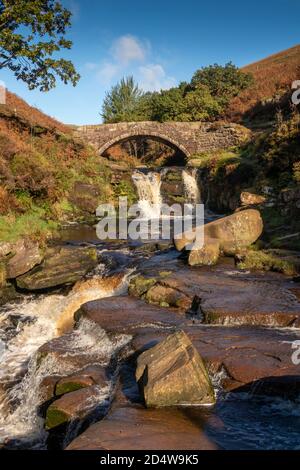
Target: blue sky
160 42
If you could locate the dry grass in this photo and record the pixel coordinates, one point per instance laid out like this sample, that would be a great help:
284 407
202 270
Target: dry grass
273 75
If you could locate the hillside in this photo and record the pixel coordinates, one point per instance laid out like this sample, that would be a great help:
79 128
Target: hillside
273 77
16 106
46 176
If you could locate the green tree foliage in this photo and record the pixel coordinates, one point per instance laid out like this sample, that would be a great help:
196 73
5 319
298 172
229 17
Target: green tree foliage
31 34
124 102
223 82
205 98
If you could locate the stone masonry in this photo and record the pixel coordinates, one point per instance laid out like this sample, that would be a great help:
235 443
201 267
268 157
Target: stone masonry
190 137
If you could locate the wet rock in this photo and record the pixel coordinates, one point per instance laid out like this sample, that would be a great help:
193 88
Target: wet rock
258 359
91 375
73 383
134 428
47 388
27 255
173 373
167 297
62 265
234 232
139 285
72 406
251 199
207 255
232 297
124 314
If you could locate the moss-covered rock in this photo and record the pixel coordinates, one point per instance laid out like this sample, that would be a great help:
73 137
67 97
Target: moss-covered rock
139 285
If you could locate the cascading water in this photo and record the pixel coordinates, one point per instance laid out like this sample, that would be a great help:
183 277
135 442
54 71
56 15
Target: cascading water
192 192
148 187
40 320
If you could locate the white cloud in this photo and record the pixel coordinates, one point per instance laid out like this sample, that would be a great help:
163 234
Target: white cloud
154 78
130 56
107 72
128 49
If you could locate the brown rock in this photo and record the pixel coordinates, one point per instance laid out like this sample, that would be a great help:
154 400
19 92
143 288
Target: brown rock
207 255
134 428
251 199
247 356
64 265
173 373
234 232
27 255
71 406
123 314
90 375
166 296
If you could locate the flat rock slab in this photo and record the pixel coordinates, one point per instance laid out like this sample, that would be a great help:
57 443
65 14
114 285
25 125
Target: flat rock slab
233 297
124 314
247 354
62 265
134 428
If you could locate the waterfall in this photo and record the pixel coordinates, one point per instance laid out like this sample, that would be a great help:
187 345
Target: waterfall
41 319
148 188
192 192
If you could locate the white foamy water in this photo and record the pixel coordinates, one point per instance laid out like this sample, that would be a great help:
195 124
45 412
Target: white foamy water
148 186
192 191
45 316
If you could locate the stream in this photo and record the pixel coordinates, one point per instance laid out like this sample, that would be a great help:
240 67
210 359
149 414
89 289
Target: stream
238 421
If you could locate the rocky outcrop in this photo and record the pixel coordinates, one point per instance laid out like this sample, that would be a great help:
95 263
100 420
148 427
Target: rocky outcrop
64 265
234 232
172 373
134 428
231 296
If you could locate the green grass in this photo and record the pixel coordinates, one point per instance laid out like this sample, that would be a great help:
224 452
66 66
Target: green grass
32 224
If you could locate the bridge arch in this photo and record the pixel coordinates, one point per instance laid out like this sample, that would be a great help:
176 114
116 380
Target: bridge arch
165 139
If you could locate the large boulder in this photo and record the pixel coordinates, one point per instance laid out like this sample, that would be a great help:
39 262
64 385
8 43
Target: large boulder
173 373
62 265
208 254
234 232
27 255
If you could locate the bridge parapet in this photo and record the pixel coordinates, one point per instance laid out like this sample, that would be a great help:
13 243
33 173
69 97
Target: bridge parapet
190 137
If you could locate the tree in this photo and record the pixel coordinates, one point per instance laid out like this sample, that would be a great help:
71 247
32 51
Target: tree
123 103
223 82
185 104
31 33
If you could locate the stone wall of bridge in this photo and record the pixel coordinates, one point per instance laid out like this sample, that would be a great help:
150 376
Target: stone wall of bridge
190 137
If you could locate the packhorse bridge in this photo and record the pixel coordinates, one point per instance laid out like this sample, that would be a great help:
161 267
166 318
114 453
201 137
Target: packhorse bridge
190 137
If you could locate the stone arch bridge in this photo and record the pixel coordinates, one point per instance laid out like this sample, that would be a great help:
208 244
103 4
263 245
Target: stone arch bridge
190 137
